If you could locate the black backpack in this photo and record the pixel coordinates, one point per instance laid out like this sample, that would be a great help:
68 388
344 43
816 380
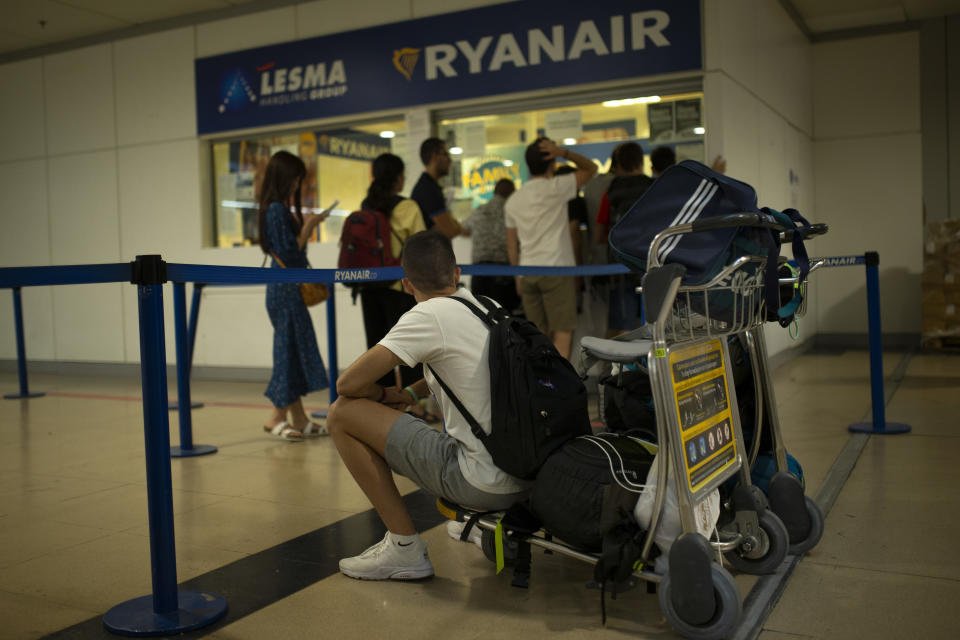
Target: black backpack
537 400
578 480
585 495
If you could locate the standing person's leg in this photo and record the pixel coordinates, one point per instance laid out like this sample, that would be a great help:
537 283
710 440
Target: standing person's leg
376 321
284 354
560 305
533 303
302 422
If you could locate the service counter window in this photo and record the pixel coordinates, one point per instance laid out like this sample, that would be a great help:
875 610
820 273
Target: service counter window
338 168
488 148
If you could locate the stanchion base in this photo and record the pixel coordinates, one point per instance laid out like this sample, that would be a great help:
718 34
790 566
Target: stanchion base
890 428
137 618
195 450
15 396
322 413
173 406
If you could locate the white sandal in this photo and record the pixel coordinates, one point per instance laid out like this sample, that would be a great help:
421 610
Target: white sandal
314 430
285 431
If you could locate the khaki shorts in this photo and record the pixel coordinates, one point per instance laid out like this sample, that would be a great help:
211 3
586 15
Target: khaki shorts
429 458
550 302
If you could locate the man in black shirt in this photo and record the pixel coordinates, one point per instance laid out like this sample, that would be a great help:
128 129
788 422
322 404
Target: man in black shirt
427 192
624 190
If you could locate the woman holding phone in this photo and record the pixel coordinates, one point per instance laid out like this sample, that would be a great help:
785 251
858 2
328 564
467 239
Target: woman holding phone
297 366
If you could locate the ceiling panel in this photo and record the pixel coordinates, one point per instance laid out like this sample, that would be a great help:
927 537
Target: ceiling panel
50 22
830 15
12 41
141 11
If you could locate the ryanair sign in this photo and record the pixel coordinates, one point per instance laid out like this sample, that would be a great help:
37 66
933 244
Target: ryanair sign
499 49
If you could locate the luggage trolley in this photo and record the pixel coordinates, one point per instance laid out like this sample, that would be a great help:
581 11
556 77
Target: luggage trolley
698 430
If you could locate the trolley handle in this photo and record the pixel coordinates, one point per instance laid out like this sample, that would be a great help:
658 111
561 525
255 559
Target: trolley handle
735 220
817 229
709 224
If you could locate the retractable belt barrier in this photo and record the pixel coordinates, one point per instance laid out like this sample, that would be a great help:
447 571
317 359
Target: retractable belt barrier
169 610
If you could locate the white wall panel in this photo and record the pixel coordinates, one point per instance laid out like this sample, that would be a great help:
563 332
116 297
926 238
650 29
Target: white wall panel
88 322
155 87
868 86
160 200
871 204
79 100
84 227
37 324
333 16
25 240
159 213
21 110
756 44
246 32
83 208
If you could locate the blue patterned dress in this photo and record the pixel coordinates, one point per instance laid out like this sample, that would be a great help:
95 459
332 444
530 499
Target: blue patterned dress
297 366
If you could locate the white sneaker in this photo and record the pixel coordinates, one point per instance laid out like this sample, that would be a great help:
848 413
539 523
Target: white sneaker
390 560
455 529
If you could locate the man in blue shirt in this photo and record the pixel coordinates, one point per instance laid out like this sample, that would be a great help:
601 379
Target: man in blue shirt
427 192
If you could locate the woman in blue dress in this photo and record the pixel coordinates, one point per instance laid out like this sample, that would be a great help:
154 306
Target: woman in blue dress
297 366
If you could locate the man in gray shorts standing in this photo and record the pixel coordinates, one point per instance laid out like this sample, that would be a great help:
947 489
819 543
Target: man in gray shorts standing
538 234
374 437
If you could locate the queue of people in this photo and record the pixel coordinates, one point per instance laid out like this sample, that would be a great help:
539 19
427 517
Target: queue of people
414 337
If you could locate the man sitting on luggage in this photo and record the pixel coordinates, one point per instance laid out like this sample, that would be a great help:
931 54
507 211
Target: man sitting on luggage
374 436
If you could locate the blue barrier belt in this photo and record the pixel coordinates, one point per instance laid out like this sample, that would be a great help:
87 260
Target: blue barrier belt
844 261
239 276
256 275
66 274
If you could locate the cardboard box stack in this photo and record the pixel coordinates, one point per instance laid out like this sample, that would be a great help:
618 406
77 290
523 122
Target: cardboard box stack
941 284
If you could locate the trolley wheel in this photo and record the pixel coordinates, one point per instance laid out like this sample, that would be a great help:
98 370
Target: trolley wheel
489 545
725 616
816 529
765 551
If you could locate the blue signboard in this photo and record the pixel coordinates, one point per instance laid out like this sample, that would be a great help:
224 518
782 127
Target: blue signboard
504 48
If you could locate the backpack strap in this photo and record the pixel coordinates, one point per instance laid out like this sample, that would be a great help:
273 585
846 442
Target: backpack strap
475 427
795 222
489 304
487 320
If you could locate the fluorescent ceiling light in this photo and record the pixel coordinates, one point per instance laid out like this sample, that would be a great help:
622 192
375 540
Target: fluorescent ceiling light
569 141
699 131
628 101
455 151
387 134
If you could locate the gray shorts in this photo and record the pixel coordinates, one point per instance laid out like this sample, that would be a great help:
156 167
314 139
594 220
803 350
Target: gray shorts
429 458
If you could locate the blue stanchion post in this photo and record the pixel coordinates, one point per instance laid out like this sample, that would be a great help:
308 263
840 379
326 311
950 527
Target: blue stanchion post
194 319
21 351
167 611
333 367
879 425
187 448
192 334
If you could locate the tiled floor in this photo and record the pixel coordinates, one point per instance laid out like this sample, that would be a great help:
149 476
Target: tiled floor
74 535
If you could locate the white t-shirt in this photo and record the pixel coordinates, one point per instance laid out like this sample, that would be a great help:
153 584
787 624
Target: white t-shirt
446 335
538 211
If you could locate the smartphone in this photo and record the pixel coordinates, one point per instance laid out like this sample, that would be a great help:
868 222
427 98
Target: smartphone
329 209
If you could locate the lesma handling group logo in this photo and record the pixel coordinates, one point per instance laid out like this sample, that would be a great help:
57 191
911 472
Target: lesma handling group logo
282 85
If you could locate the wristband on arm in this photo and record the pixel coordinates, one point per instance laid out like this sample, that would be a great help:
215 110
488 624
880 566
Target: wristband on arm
413 394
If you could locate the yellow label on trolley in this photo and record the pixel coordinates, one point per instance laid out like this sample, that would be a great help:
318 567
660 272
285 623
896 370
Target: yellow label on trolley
700 391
